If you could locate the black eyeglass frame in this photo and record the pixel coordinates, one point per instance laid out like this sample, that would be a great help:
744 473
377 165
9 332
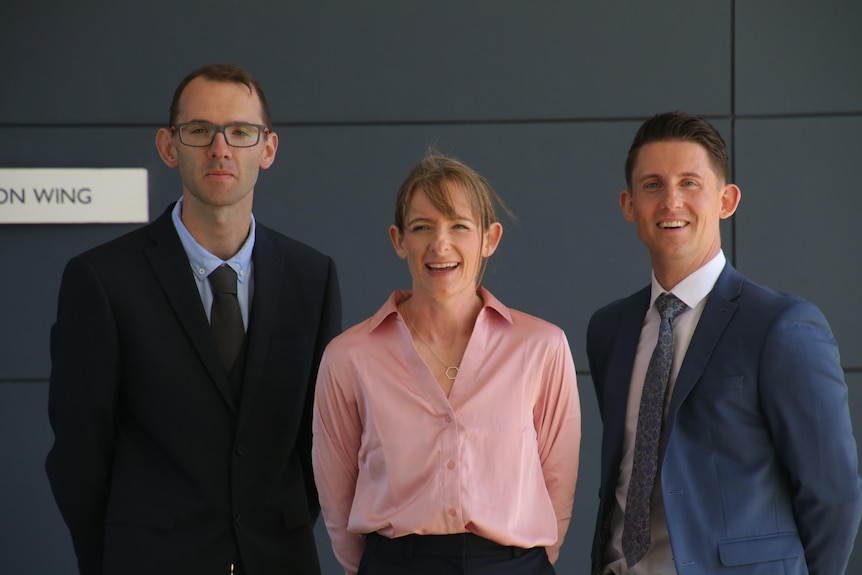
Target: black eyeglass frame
217 129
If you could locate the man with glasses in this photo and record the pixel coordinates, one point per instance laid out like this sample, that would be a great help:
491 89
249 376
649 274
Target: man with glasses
183 360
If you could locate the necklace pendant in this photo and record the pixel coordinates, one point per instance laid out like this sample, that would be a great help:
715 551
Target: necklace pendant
452 372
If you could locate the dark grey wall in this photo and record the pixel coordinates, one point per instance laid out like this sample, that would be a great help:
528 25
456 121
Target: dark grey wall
541 97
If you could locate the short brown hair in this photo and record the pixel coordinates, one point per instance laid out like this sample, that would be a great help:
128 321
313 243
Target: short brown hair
680 126
223 73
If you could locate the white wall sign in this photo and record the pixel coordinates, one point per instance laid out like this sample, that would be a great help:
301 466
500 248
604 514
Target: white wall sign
73 195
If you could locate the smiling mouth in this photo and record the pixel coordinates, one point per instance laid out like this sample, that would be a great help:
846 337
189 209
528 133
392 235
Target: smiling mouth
671 225
442 267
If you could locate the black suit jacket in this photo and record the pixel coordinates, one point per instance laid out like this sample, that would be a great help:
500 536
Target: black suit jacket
154 467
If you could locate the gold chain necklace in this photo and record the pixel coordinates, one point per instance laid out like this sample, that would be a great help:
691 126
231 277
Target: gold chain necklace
451 370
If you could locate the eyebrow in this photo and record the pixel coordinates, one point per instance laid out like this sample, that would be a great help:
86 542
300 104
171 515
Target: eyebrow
684 175
200 121
457 218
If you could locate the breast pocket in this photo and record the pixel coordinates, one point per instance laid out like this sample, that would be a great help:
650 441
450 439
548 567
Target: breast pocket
719 384
290 355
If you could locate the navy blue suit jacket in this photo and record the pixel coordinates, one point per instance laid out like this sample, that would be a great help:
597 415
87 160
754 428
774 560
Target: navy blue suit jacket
758 466
155 467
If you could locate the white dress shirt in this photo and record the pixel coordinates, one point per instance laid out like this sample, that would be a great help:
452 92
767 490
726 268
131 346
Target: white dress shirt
693 291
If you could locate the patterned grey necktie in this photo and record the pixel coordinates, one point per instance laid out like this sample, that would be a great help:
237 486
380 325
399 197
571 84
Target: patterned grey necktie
636 524
225 315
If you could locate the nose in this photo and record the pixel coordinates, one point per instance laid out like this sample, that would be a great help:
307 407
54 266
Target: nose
672 197
441 240
219 147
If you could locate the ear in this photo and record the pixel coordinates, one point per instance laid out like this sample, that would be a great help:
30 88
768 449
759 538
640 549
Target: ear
626 205
730 196
270 145
492 239
166 147
397 239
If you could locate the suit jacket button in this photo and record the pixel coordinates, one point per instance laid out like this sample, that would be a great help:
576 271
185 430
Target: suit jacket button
239 520
240 449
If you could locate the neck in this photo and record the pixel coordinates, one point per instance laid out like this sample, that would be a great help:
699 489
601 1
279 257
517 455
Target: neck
221 230
670 272
442 323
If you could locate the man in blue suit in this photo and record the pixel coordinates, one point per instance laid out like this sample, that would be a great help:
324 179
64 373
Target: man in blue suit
754 468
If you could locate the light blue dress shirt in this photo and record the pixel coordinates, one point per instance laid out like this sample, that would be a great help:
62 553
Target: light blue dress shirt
203 263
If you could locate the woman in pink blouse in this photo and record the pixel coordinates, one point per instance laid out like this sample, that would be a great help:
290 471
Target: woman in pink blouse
447 426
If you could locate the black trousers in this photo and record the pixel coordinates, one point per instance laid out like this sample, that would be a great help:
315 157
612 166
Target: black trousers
459 554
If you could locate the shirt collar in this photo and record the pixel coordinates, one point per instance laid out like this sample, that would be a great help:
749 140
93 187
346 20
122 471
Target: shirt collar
391 306
202 261
697 285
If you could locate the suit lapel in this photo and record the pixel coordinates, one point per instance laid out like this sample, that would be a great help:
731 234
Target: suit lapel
616 374
717 312
619 371
625 347
268 290
170 265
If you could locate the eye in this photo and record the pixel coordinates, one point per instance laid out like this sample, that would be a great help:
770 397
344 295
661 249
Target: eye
243 131
198 129
419 228
463 227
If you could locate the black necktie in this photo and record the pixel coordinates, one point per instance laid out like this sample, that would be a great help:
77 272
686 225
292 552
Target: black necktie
636 524
226 317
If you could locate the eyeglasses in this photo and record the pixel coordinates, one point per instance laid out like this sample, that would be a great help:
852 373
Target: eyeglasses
202 135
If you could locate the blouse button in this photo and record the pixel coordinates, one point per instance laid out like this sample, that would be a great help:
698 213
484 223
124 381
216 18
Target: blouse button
452 512
451 465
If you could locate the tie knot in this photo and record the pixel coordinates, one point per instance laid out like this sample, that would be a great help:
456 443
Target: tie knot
669 306
223 280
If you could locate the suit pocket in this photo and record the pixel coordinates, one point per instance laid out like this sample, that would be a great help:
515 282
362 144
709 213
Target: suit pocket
295 516
748 550
138 513
719 384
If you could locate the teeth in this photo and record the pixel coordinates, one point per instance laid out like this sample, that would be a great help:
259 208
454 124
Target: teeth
675 224
442 266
